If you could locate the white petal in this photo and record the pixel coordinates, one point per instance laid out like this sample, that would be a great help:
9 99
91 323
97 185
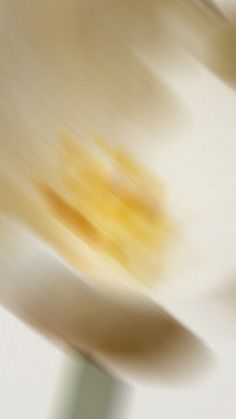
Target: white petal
47 88
125 330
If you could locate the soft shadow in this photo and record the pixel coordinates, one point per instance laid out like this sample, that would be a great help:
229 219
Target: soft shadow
221 57
88 54
125 330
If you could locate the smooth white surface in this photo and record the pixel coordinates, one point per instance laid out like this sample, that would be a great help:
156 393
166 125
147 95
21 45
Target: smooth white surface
30 370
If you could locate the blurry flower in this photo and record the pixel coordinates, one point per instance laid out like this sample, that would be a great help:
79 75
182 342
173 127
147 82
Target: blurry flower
76 67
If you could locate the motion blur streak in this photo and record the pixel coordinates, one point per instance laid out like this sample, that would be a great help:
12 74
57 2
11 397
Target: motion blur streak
124 330
106 67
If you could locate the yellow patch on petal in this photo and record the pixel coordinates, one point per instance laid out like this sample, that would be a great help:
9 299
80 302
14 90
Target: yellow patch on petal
112 203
